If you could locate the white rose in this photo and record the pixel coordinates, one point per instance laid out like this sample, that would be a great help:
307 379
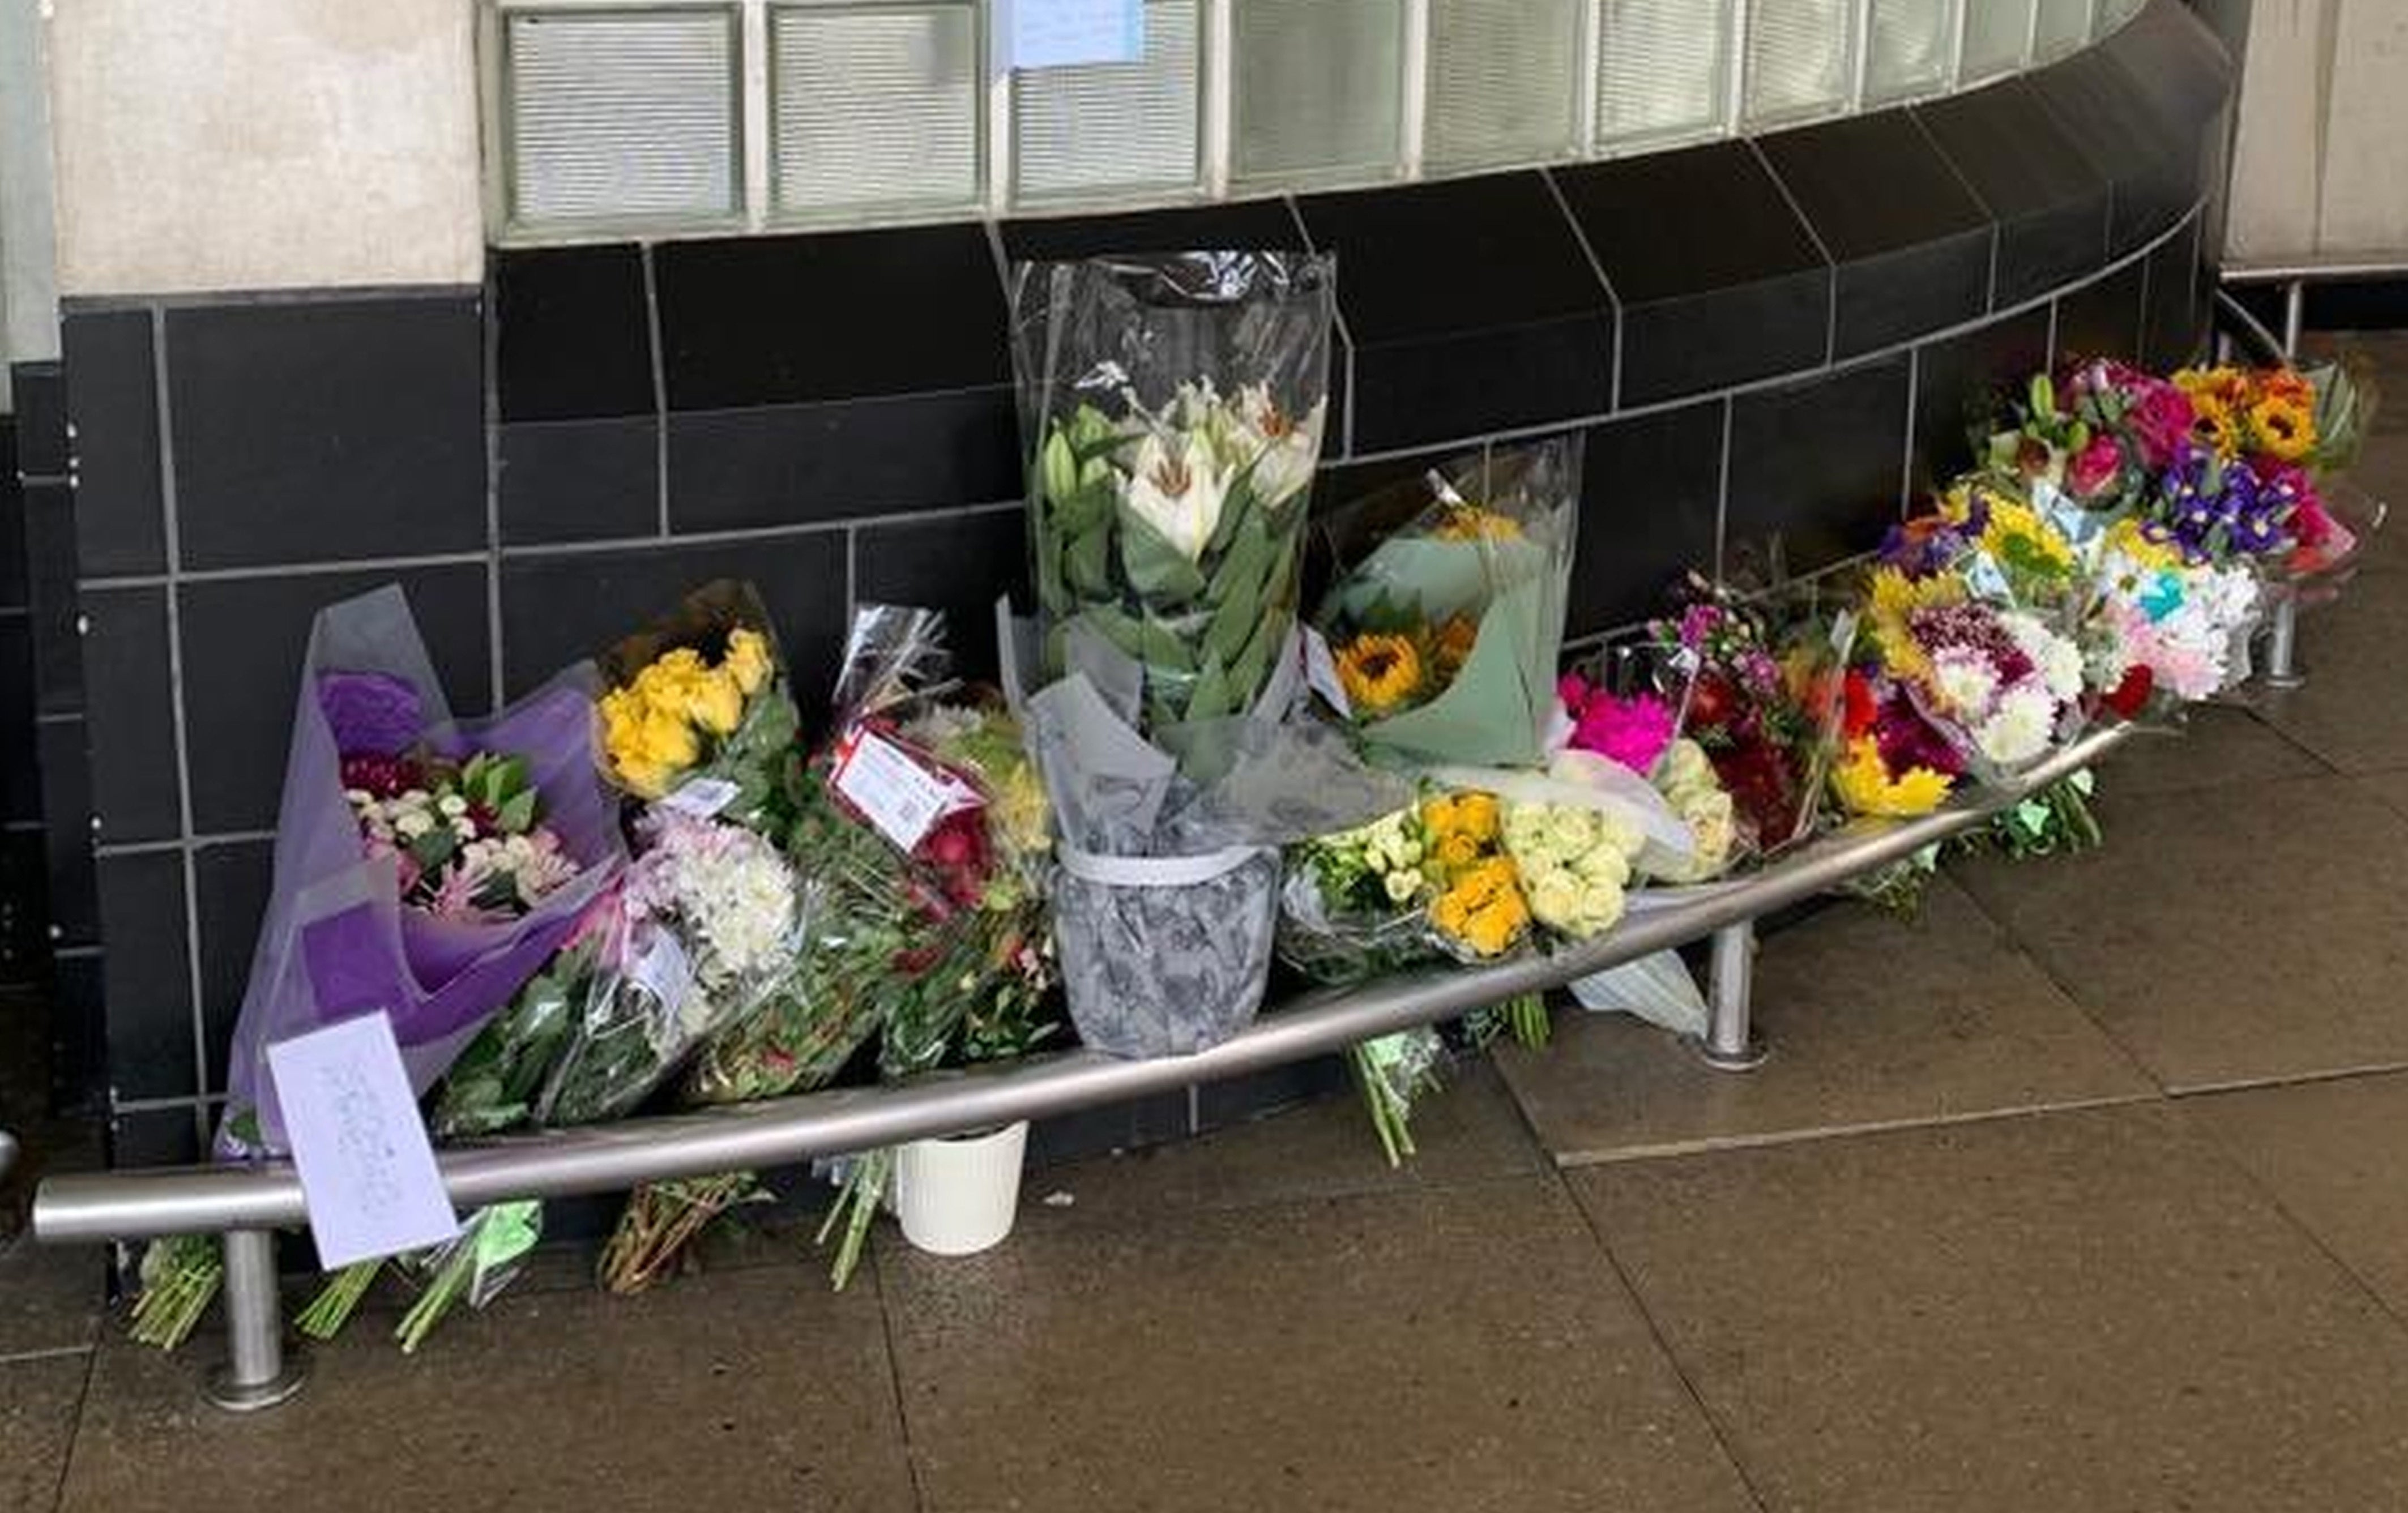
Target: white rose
1402 886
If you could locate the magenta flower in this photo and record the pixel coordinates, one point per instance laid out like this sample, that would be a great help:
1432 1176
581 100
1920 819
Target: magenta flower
1632 731
2161 420
2093 468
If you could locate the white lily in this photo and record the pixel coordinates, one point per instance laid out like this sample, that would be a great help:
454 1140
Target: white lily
1180 496
1284 448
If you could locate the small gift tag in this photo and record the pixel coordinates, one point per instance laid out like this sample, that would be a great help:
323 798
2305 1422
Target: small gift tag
1321 673
702 797
894 793
359 1144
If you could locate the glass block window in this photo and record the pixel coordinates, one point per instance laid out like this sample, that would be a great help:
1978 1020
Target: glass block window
2064 26
1909 48
2114 13
1663 69
1504 83
621 115
1102 131
1997 32
1801 59
1319 88
875 106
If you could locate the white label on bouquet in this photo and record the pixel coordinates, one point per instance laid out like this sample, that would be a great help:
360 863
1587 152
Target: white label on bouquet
359 1143
892 792
702 797
1321 673
1048 34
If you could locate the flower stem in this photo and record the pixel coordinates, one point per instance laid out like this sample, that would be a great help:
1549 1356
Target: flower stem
180 1277
444 1289
335 1302
856 1204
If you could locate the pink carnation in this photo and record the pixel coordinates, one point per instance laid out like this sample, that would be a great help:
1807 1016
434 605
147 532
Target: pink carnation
1632 731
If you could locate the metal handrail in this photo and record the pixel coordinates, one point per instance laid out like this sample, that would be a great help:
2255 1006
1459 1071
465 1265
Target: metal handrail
141 1203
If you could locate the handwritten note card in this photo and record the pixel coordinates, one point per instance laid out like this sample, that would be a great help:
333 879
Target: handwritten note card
359 1143
1048 34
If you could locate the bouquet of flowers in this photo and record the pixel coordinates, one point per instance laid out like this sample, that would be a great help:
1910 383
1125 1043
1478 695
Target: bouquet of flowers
698 707
2174 630
1998 683
464 837
1445 622
1354 904
1175 407
1636 732
2100 435
1892 763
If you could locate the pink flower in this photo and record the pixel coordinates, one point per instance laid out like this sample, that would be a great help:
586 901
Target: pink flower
2161 418
1632 731
2094 467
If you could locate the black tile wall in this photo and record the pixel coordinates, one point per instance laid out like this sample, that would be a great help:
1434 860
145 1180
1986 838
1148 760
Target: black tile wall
1968 380
559 608
1238 1099
20 784
1717 279
113 401
230 885
154 1137
39 391
52 600
786 320
2153 165
784 464
1910 243
79 1027
1791 489
67 821
579 480
2103 317
147 975
1246 223
573 334
24 867
12 521
956 564
1115 1127
1471 307
1651 493
131 722
2051 205
243 641
2169 331
327 429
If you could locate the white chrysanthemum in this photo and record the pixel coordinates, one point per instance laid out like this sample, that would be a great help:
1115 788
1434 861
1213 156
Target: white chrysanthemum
2018 728
1965 683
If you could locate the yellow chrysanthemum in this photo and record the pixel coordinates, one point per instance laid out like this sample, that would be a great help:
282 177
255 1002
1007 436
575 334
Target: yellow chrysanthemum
1379 672
1895 598
2283 426
1864 784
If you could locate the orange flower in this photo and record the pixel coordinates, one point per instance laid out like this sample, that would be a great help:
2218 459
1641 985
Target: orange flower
1379 672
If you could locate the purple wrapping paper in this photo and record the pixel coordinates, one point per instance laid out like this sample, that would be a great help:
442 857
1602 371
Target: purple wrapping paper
337 941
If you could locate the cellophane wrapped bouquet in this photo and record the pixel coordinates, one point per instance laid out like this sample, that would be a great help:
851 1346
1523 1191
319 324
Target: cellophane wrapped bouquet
1446 618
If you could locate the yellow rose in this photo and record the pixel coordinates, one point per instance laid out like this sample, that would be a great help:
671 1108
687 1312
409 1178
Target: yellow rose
713 702
645 779
747 661
668 741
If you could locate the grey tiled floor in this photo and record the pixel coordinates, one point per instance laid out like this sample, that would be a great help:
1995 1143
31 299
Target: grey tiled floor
2083 1192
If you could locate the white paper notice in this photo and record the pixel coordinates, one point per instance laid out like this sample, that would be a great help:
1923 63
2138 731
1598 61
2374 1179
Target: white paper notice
359 1143
702 797
1049 34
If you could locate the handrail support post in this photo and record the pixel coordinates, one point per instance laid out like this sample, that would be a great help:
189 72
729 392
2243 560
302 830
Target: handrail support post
2283 643
256 1372
1731 1044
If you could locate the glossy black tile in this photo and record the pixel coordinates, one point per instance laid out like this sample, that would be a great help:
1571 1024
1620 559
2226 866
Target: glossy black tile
52 599
131 722
1910 243
579 480
1154 1120
1428 262
783 319
2152 161
1717 279
1964 383
112 391
66 834
12 521
154 1137
1239 1100
558 609
243 641
2169 333
786 464
2176 62
231 885
1817 468
572 332
146 974
954 562
327 429
38 390
1651 494
20 783
78 1030
1247 224
2103 317
1449 389
2050 203
25 882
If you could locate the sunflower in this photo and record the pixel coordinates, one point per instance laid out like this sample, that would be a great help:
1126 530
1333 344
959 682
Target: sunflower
1895 597
2215 427
1470 522
1865 784
2017 537
2284 426
1379 672
1450 646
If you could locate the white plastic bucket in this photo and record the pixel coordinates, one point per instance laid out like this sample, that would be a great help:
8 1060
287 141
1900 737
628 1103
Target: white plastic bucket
959 1195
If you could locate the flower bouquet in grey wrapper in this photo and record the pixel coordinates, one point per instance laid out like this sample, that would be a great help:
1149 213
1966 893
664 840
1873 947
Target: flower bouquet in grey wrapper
1166 899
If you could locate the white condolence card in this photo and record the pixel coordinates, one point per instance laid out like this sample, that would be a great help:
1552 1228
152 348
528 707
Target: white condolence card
358 1141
